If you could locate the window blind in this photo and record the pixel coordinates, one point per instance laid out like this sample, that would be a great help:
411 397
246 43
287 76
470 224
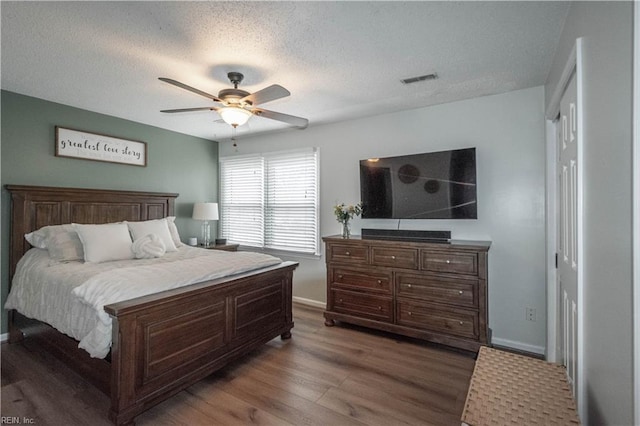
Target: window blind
284 201
242 200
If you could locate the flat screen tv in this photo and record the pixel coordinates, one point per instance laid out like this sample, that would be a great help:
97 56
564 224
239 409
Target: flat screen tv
433 185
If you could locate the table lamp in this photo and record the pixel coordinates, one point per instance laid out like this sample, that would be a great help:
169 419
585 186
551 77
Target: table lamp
205 212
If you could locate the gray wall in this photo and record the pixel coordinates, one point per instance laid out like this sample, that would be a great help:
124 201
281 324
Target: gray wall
176 162
607 31
508 132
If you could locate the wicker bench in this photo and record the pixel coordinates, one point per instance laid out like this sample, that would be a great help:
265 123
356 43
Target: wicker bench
510 389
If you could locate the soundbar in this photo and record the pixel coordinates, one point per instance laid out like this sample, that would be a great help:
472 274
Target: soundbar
406 235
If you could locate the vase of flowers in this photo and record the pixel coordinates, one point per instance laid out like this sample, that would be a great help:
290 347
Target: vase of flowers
344 214
346 229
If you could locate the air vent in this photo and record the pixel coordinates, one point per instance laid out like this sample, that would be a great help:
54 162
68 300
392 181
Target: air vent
432 76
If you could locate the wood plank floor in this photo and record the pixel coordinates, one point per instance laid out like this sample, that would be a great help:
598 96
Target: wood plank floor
341 375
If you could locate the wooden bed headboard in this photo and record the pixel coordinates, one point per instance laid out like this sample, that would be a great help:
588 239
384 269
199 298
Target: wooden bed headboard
33 207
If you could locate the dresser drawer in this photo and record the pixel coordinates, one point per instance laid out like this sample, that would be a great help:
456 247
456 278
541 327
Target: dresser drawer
457 322
361 279
395 257
348 253
450 262
364 305
457 292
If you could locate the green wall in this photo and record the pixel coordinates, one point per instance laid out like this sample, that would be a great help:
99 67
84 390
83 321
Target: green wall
176 162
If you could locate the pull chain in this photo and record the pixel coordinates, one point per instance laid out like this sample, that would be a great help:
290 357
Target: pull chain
233 136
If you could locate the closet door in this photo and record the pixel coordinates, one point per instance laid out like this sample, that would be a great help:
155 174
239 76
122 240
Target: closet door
567 250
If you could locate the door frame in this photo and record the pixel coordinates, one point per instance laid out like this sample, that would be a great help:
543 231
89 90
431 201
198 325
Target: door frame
573 64
636 210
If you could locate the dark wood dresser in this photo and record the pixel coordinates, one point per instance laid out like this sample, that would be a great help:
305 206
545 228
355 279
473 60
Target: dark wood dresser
427 290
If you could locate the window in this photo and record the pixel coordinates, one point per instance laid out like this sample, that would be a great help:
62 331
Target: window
271 200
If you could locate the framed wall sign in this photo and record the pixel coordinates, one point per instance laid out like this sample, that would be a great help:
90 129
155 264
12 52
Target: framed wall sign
92 146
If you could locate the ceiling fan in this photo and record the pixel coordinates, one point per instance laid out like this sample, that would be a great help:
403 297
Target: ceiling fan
238 105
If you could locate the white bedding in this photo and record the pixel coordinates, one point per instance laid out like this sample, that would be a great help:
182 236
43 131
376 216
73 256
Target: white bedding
71 296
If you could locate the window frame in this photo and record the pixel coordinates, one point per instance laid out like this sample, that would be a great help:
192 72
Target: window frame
263 158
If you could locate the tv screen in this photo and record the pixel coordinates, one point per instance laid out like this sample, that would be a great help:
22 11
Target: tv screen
433 185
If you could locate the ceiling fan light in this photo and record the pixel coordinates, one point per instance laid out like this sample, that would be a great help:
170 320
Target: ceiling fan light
234 116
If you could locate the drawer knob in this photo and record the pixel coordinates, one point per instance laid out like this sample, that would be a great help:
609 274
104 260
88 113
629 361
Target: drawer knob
340 301
409 313
448 261
460 292
379 281
340 276
393 257
348 253
379 308
408 285
461 323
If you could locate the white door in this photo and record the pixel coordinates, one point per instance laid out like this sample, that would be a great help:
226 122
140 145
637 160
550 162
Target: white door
567 250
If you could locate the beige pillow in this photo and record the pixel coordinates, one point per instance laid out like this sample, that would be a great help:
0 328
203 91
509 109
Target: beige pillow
61 241
65 246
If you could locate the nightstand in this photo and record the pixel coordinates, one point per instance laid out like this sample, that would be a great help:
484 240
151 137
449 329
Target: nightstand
225 247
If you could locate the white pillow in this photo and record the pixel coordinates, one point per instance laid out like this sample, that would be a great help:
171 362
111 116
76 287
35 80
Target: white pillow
37 238
103 243
173 230
160 227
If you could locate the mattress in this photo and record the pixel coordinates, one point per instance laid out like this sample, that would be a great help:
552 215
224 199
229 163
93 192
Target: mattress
71 296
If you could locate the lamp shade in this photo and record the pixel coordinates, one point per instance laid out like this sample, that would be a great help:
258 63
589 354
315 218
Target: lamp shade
205 211
234 116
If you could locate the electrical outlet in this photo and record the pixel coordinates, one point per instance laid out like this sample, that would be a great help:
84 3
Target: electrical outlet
530 314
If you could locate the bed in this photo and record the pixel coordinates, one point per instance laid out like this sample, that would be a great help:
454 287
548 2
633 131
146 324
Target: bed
160 343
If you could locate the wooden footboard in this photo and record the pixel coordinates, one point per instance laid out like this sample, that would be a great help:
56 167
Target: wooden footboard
165 342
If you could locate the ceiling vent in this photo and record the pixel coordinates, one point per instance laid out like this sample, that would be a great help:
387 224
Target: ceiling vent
410 80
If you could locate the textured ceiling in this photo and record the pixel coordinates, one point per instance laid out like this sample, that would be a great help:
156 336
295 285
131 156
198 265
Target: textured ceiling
340 60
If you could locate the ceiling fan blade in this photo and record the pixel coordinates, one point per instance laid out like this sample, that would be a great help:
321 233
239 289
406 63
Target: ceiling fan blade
299 122
189 88
267 94
190 109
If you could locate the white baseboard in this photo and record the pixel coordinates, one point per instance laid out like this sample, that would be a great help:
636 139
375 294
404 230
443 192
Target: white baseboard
309 302
4 337
540 350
